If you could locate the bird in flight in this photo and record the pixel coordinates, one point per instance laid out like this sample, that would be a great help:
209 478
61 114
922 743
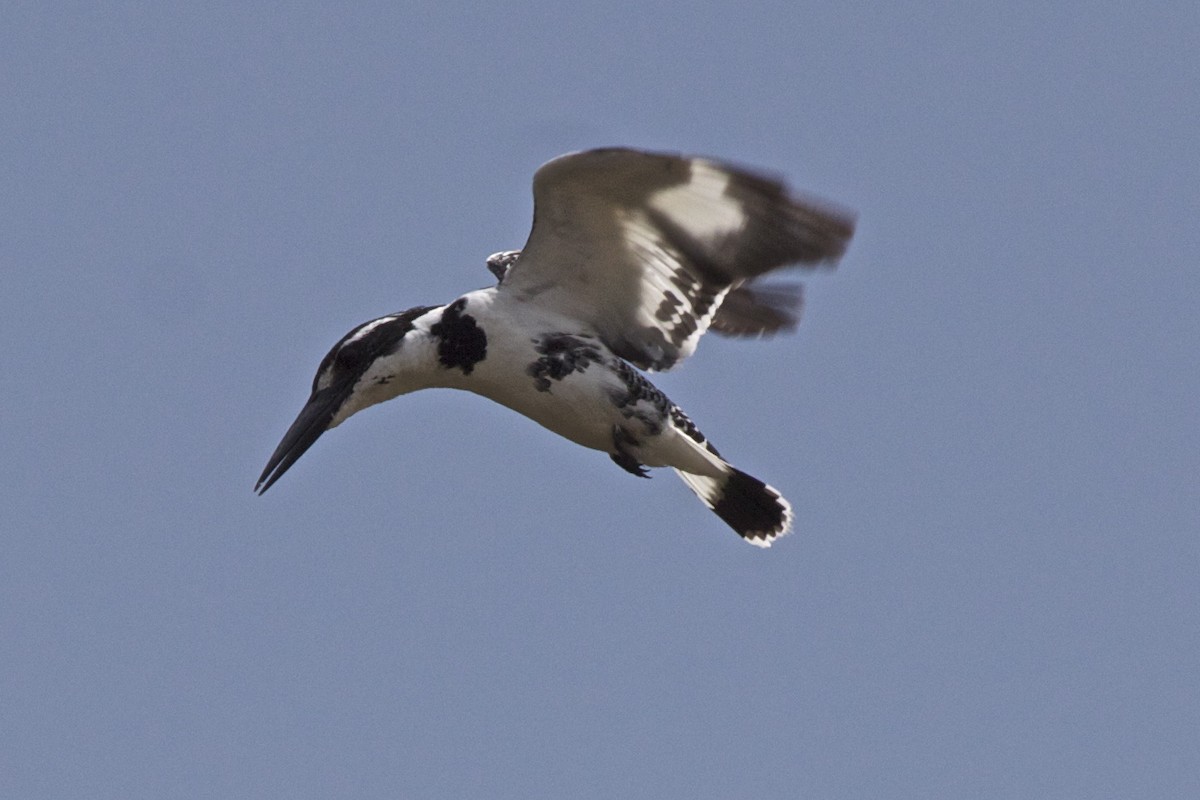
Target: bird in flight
632 257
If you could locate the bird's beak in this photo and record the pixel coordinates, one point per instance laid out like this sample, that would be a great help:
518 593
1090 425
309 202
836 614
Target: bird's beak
313 420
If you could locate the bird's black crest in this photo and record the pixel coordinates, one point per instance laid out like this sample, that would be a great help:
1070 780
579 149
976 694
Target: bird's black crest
463 343
355 352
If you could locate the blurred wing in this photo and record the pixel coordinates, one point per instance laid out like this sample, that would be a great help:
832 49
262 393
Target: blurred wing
642 248
750 310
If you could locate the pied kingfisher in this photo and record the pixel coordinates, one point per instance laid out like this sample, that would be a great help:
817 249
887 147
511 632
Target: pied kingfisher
632 257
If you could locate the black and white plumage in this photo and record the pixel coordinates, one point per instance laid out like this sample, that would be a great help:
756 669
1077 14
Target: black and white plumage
632 257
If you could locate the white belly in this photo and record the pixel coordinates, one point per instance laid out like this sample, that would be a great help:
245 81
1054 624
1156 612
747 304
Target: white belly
570 383
578 407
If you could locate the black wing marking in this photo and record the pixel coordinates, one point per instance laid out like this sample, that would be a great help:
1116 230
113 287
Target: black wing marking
644 247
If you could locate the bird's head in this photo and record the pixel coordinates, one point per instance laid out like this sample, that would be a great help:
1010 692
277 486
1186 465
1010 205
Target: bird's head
364 368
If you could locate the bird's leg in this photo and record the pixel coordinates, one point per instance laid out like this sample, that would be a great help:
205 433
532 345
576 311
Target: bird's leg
621 455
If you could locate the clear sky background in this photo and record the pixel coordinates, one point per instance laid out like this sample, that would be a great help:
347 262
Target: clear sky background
987 421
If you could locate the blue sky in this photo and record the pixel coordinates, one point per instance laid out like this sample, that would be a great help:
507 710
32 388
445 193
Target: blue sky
987 421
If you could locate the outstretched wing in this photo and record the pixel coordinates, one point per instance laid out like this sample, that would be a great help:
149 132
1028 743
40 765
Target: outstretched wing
759 309
747 310
643 247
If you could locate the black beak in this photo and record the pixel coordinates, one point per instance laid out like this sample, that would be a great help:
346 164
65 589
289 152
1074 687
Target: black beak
313 420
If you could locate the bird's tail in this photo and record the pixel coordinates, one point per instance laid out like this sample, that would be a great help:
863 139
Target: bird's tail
755 510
